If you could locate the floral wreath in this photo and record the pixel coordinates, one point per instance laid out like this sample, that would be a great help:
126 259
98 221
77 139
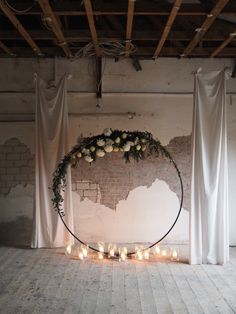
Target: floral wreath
134 145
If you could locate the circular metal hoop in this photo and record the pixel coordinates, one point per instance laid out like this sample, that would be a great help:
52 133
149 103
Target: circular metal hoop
63 165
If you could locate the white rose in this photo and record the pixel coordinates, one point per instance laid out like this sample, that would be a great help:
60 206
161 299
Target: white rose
130 143
109 141
126 147
116 149
107 132
117 140
108 148
92 149
100 142
138 147
85 151
100 153
79 155
88 158
124 135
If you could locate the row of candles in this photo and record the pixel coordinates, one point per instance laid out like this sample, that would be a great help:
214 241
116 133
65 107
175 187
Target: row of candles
122 252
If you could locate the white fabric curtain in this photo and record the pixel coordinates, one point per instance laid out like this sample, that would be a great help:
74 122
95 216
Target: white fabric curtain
209 190
51 145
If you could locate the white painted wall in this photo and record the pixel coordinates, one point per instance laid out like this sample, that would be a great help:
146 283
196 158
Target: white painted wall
161 97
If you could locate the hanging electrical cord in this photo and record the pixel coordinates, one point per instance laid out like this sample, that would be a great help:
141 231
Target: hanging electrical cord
19 11
107 48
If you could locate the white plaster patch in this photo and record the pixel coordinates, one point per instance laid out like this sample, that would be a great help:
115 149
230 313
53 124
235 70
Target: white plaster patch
18 202
23 131
144 216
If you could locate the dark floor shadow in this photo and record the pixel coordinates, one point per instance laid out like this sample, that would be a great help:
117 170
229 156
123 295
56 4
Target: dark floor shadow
16 233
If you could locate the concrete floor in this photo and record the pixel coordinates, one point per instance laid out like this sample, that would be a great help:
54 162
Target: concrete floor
47 281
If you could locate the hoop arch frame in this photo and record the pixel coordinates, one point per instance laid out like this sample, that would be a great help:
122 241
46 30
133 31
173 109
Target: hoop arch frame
153 147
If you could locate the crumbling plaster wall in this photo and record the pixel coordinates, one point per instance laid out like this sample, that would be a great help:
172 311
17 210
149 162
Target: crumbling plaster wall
160 97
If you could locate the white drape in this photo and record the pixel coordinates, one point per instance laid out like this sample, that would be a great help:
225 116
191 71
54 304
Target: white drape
51 145
209 190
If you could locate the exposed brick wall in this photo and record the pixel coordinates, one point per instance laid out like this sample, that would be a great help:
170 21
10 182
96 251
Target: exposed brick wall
117 178
16 165
87 189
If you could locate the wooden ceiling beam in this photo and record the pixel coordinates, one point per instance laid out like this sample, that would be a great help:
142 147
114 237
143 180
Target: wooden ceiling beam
6 49
71 8
168 26
142 52
129 25
14 20
200 32
54 24
230 38
92 27
83 36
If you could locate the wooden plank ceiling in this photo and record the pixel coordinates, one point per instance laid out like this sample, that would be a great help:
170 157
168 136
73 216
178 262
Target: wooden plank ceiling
152 28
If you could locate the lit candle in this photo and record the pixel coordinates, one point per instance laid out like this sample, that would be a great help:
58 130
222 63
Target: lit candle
164 253
100 255
81 255
123 256
112 252
139 255
157 250
174 255
68 250
146 254
84 250
101 247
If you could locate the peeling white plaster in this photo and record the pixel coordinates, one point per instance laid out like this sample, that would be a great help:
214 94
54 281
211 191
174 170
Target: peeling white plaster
23 131
144 216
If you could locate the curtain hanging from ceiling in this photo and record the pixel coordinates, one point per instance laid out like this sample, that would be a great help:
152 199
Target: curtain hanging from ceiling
51 145
209 191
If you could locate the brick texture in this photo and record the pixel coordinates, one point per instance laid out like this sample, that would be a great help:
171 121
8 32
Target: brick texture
16 165
115 178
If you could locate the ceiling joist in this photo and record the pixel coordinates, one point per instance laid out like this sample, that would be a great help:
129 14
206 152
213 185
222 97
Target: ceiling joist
54 24
168 26
130 15
6 49
231 37
89 13
200 32
11 16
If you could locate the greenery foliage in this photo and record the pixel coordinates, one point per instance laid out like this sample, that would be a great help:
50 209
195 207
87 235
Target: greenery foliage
134 145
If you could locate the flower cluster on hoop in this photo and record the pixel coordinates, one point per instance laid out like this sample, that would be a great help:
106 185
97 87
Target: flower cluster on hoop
134 145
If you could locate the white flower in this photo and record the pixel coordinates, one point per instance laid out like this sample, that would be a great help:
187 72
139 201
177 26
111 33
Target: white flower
126 147
138 147
108 148
100 142
124 135
100 152
107 132
130 143
117 140
79 155
116 149
109 141
85 151
92 149
143 140
88 158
